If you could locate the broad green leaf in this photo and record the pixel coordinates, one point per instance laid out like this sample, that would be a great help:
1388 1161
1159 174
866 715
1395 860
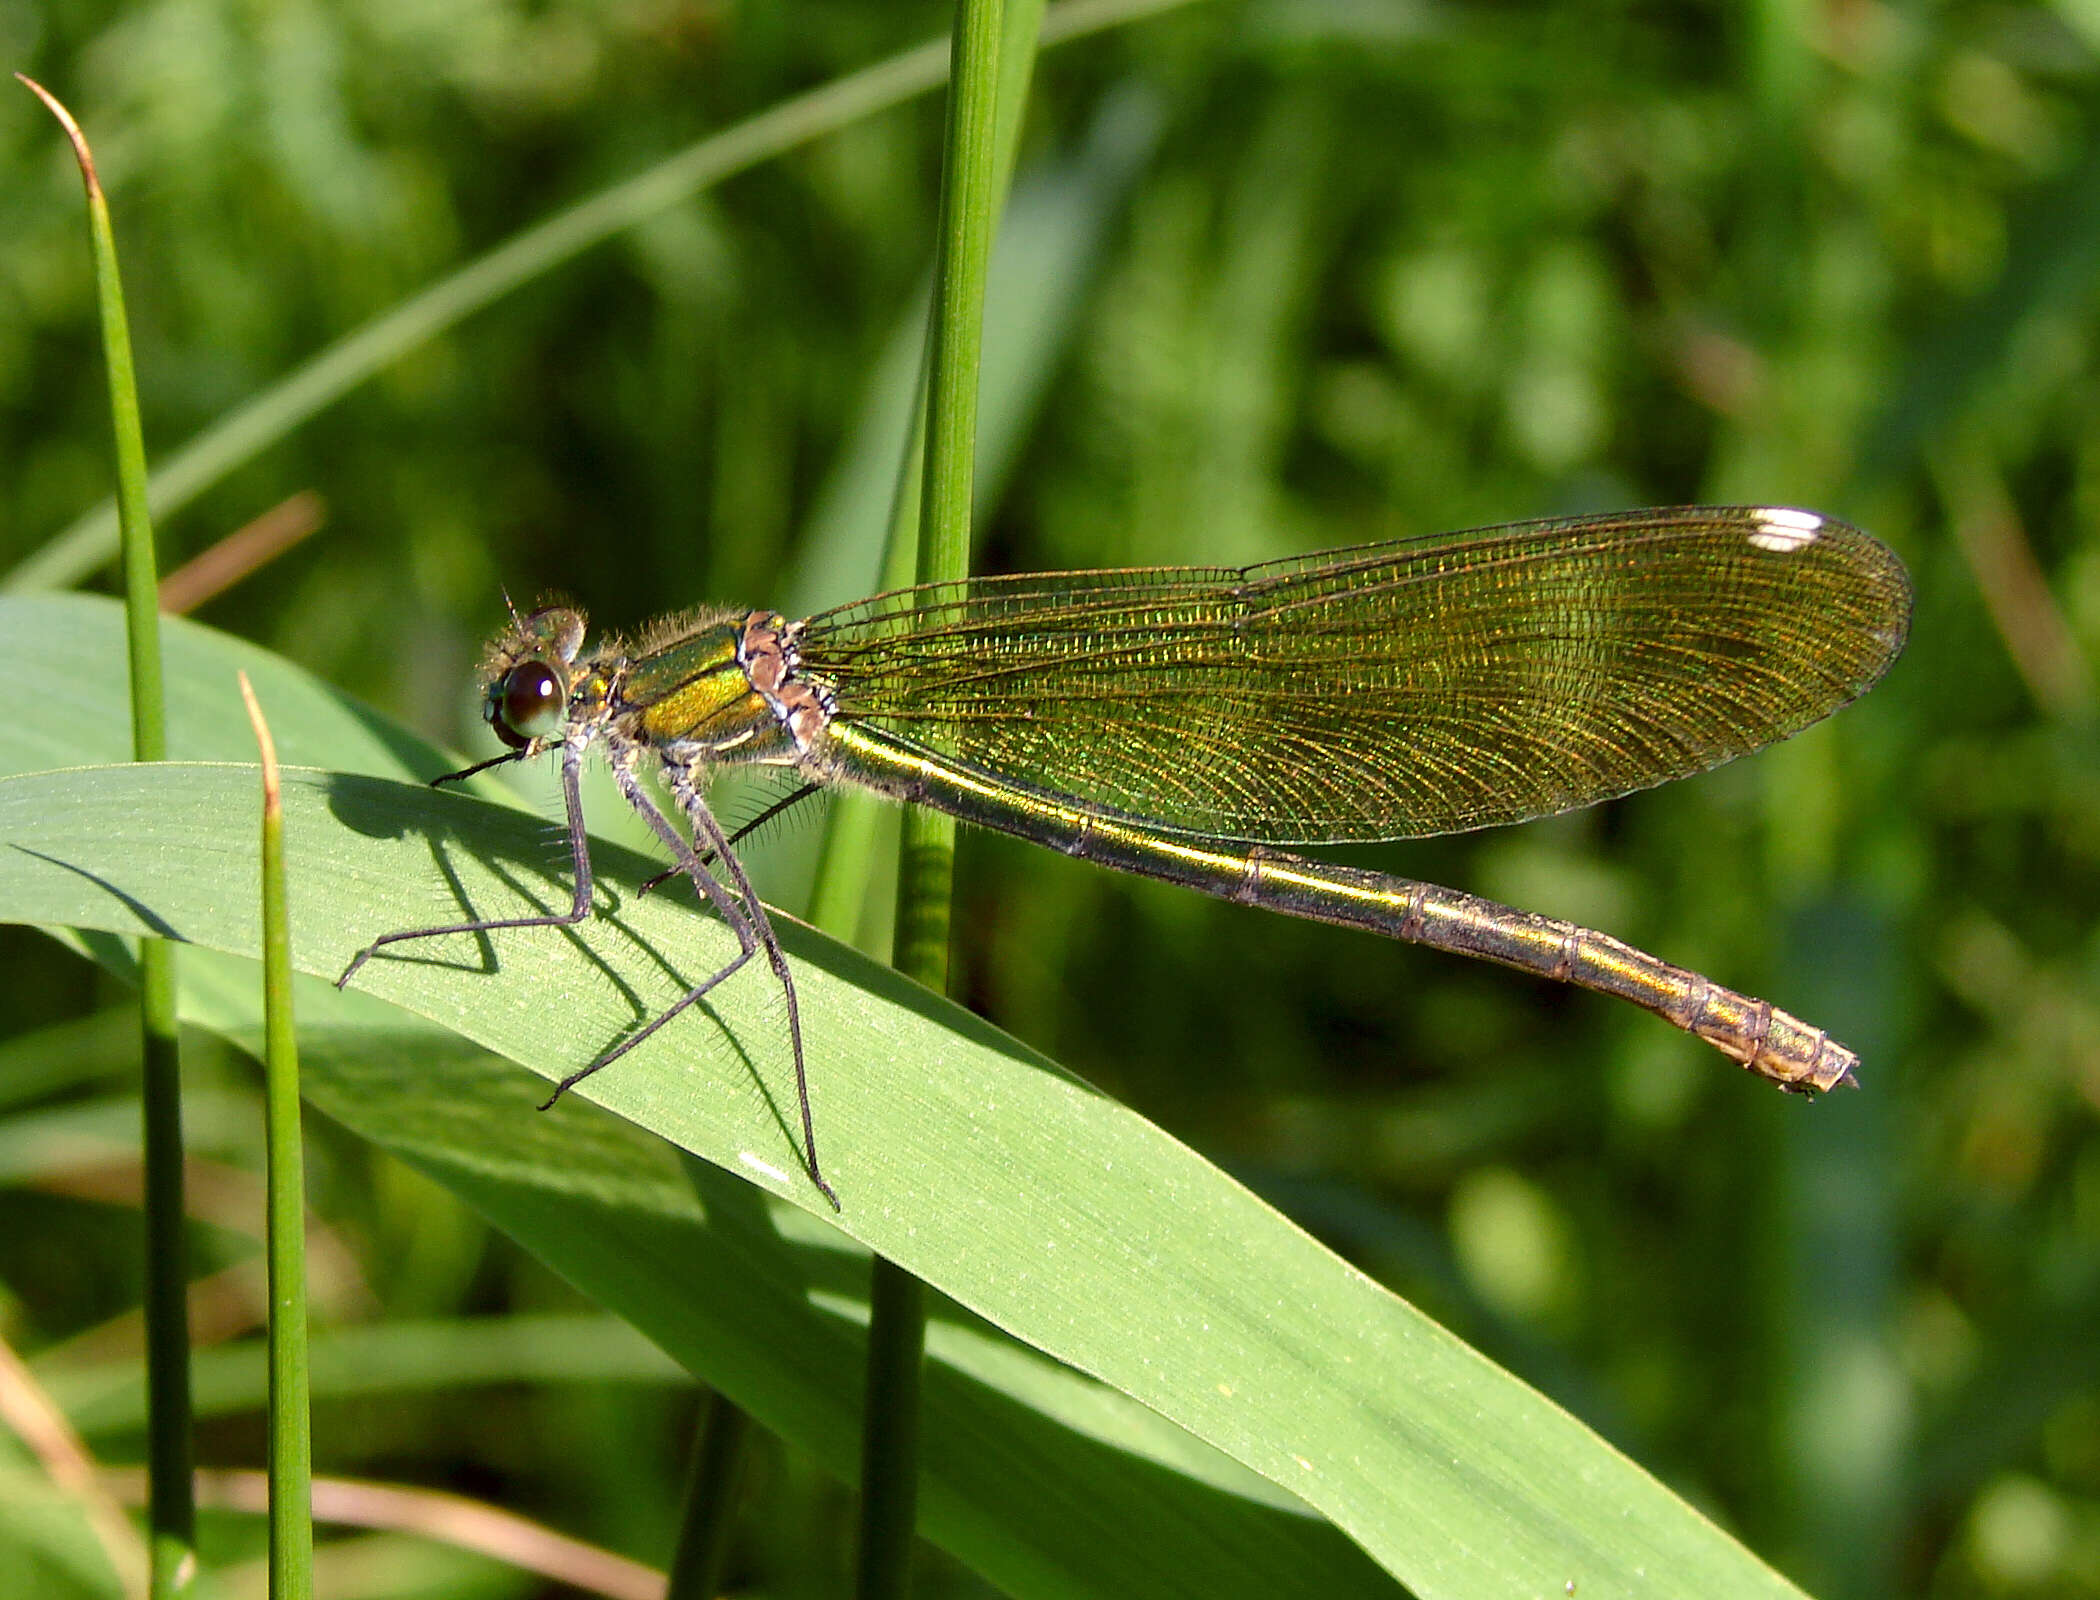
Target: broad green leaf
1042 1207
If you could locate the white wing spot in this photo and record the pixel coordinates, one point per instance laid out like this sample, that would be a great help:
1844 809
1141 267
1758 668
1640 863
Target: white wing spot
1781 530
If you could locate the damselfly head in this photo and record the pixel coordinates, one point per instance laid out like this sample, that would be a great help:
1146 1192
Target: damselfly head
525 675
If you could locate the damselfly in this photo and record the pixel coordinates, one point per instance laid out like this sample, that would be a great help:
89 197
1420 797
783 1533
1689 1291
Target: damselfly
1181 722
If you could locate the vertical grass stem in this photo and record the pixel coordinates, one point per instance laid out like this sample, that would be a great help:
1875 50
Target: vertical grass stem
971 185
170 1453
291 1423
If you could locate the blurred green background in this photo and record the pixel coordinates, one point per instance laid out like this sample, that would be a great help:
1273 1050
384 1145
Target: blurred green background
1279 276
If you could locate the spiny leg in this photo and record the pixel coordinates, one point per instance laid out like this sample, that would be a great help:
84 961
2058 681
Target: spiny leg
794 798
734 915
741 909
579 861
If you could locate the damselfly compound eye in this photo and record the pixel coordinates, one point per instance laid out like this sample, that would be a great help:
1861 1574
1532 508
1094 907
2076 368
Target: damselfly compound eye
526 703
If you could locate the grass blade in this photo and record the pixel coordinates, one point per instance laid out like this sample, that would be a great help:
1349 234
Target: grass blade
291 1418
170 1449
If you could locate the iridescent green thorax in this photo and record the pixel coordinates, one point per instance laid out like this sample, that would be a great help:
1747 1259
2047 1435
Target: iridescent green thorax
714 686
720 688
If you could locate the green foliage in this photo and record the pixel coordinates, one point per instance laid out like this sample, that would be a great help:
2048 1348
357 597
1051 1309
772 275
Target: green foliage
1337 272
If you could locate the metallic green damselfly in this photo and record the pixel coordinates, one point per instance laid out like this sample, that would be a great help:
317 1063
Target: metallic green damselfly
1180 722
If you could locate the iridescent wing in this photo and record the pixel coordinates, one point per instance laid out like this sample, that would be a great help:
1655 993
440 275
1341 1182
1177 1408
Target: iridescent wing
1422 686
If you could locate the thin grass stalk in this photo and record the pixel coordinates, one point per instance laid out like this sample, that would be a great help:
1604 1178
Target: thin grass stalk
970 190
968 218
246 432
710 1503
838 899
170 1451
290 1406
889 1482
